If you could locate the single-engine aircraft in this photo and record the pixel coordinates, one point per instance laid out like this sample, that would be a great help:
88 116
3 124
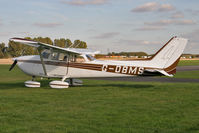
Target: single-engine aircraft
57 62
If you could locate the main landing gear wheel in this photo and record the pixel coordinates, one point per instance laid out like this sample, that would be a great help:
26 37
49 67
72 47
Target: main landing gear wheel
59 84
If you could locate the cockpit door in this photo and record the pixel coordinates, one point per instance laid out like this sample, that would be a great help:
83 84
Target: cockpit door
57 64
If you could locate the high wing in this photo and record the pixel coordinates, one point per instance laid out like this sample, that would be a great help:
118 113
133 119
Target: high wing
48 46
40 46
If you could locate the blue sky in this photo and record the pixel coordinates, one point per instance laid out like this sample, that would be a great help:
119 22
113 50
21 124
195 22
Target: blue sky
106 25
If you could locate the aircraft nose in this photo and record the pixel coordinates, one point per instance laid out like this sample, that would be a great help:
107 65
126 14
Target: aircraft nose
13 59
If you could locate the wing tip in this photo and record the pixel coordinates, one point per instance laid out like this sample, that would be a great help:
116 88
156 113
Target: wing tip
22 40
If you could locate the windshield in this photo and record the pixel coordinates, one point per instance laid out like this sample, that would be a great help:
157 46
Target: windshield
46 54
91 58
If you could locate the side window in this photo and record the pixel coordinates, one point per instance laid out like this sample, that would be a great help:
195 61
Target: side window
73 58
80 59
62 57
54 56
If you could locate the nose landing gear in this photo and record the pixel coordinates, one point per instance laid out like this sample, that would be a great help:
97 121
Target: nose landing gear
32 83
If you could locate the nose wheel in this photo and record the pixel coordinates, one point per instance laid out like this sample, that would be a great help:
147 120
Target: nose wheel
33 78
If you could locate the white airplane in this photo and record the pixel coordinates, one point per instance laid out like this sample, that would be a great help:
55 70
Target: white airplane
57 62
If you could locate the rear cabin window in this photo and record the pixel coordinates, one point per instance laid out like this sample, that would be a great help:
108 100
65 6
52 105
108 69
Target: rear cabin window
62 57
76 58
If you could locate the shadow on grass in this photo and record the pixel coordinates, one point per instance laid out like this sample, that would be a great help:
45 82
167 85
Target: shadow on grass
138 86
45 83
193 128
20 84
11 85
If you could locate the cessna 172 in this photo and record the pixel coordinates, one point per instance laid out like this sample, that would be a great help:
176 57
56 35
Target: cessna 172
57 62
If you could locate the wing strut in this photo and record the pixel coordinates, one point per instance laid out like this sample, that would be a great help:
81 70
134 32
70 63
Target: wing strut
42 61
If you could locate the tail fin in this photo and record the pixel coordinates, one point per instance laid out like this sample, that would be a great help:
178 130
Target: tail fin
168 56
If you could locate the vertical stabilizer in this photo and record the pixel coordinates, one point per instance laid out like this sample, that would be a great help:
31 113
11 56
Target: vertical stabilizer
168 56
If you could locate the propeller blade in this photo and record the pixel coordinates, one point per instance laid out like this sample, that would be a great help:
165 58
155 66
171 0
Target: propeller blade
13 65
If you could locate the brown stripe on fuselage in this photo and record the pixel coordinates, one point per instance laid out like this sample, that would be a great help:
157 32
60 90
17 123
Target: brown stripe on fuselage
96 67
120 69
171 68
172 71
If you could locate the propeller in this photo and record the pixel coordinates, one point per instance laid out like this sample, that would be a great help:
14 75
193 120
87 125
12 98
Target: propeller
13 65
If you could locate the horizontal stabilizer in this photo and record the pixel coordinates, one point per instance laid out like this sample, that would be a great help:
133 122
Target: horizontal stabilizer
165 73
155 72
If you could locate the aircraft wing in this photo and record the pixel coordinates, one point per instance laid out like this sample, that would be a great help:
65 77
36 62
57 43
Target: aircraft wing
48 46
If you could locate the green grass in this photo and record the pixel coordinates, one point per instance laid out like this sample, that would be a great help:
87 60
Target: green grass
187 74
97 107
188 63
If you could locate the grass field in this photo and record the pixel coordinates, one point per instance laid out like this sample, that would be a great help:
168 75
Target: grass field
187 74
189 63
97 107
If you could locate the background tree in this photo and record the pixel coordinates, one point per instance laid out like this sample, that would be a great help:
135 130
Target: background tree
79 44
18 49
68 43
44 40
64 43
3 51
15 49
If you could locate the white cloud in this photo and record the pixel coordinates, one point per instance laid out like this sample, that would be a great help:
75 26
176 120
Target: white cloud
160 23
5 33
150 28
106 35
177 15
166 7
192 46
137 42
85 2
147 7
1 22
193 12
154 6
185 22
47 25
170 22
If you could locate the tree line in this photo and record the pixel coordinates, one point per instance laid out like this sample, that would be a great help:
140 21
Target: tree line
128 54
17 49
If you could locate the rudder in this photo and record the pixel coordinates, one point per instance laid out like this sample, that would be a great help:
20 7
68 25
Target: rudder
168 56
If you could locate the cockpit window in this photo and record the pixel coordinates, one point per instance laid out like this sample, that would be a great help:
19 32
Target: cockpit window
46 54
58 56
91 58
